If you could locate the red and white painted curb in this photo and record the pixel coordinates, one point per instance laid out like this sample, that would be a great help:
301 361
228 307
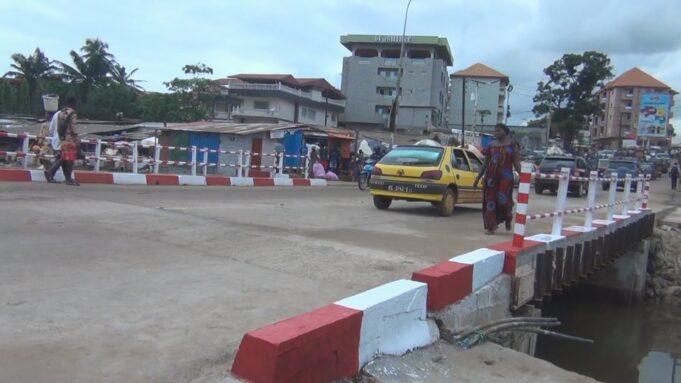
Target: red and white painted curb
18 175
335 341
452 280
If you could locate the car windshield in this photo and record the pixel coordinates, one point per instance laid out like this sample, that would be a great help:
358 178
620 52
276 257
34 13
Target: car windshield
420 156
614 165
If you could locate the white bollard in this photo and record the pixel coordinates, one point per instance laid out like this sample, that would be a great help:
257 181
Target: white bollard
611 196
240 169
26 150
560 201
135 156
281 162
193 160
247 163
157 157
591 199
627 195
646 193
205 162
639 191
98 155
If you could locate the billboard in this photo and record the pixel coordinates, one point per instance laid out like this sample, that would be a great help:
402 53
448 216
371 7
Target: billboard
653 112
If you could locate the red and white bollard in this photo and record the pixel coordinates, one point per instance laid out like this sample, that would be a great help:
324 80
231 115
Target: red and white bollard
521 207
646 193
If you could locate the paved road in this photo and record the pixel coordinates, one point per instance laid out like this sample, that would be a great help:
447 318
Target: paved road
120 283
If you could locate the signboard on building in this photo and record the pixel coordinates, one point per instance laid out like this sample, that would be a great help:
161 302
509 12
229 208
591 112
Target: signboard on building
653 113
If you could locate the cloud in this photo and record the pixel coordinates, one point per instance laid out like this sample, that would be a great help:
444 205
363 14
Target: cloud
301 37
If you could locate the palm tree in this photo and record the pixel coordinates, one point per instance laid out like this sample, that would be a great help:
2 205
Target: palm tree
482 114
31 69
90 69
120 76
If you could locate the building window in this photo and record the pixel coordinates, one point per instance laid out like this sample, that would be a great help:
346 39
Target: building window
261 105
308 113
333 117
366 53
629 91
419 54
383 110
386 92
388 72
391 53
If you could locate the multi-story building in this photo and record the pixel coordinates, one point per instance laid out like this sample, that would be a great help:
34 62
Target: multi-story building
636 107
279 98
370 81
478 97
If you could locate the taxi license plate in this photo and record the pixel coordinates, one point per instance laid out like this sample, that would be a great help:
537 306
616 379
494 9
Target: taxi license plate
400 188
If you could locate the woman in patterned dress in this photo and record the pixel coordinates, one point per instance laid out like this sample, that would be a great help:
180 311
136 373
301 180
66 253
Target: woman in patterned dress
501 156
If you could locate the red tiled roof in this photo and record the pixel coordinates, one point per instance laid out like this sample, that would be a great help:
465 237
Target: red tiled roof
636 78
479 70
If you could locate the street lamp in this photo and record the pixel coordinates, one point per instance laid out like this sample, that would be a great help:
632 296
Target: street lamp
396 102
475 104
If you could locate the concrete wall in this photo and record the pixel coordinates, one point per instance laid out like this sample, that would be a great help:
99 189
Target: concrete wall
488 99
424 86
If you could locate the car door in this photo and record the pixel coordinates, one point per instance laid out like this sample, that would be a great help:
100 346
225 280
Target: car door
476 167
464 175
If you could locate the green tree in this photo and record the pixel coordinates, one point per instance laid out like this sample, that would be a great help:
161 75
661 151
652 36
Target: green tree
482 114
89 70
31 70
568 92
120 76
197 94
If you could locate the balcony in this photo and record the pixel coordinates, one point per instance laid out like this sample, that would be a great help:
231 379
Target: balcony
627 107
287 89
242 112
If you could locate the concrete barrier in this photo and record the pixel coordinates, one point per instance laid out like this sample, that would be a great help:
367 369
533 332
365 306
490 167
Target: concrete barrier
335 341
393 319
20 175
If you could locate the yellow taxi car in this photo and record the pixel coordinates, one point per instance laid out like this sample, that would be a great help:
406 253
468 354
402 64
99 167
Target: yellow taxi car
441 175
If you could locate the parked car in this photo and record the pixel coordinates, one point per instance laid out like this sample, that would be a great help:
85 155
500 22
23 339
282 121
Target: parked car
552 165
441 175
622 167
662 160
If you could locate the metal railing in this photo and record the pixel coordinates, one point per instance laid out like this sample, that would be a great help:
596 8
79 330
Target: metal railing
274 162
640 201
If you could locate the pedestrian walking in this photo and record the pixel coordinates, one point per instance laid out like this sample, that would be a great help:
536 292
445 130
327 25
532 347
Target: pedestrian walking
674 175
501 157
64 142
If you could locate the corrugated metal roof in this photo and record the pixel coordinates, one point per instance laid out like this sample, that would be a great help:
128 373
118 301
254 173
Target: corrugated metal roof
223 127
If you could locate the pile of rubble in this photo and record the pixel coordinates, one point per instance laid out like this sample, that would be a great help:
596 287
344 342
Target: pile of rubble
663 281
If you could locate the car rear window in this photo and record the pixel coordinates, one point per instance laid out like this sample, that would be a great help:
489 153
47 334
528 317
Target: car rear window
614 165
421 156
550 164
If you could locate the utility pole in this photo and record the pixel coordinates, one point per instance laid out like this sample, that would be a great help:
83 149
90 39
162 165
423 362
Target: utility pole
463 110
548 122
392 120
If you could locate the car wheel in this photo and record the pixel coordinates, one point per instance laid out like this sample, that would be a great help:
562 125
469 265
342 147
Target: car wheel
382 203
445 208
538 189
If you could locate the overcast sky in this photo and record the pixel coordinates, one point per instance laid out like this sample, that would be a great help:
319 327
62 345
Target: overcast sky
301 37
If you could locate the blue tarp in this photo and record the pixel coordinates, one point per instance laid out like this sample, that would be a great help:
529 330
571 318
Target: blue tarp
205 140
293 144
